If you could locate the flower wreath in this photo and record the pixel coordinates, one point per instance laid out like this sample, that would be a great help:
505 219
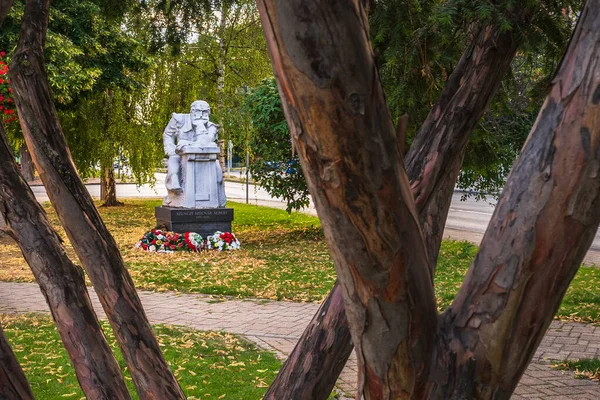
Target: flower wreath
162 241
222 241
193 241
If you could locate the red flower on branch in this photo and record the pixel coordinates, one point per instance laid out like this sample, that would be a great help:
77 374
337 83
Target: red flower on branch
7 104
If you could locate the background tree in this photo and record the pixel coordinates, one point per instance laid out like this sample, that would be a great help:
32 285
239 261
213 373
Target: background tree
415 59
211 50
89 53
274 166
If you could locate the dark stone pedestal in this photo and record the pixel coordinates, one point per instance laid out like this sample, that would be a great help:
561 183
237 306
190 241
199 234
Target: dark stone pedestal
204 221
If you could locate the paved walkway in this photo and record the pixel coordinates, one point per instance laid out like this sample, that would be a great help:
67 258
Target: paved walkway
276 326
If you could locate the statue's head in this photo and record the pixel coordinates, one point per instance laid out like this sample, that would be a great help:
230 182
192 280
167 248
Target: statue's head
200 111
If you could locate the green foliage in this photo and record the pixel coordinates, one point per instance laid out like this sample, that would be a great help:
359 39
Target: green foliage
205 50
206 364
170 24
274 167
498 138
94 69
416 58
84 51
115 97
108 124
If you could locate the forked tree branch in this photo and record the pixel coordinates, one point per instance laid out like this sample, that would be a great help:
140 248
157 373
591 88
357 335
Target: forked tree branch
447 128
342 130
541 229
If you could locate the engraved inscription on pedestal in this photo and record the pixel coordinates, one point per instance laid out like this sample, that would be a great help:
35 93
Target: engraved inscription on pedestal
202 221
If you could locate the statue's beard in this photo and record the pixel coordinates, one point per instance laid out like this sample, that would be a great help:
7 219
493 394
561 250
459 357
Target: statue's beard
200 121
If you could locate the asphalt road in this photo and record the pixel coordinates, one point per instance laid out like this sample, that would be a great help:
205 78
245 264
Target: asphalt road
467 220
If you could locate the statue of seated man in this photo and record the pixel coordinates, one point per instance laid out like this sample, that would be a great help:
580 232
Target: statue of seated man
189 131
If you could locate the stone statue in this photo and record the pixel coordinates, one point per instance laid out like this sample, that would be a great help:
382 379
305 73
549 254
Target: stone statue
194 175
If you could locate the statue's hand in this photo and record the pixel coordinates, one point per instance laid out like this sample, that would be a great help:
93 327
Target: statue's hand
180 148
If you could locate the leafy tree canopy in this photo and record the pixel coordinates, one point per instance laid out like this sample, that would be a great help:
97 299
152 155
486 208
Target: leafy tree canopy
211 50
88 54
275 167
85 51
415 59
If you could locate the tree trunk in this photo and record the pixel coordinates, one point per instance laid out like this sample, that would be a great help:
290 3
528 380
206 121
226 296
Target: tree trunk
62 284
435 157
27 169
5 6
433 163
108 187
225 10
343 132
2 225
539 233
91 240
333 104
13 383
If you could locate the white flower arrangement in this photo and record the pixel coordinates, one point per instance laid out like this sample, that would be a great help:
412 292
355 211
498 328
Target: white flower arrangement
222 241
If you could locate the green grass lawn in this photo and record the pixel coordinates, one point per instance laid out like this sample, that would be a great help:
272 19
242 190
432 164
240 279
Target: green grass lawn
208 365
586 368
283 257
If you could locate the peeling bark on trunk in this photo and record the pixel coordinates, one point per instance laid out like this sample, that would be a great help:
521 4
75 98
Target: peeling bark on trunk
329 86
62 283
541 229
27 169
13 383
488 337
91 240
435 157
108 188
433 163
